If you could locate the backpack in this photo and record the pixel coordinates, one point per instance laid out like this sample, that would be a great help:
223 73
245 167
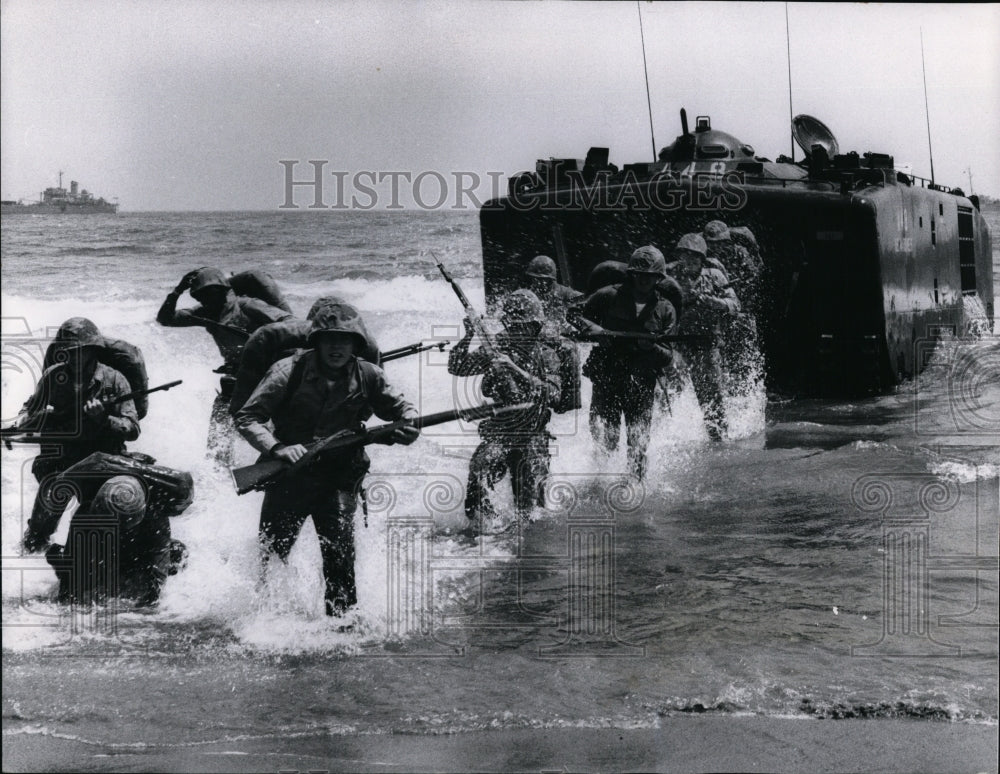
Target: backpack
169 492
259 284
127 360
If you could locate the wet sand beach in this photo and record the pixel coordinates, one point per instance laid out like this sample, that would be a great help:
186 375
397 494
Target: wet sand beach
680 744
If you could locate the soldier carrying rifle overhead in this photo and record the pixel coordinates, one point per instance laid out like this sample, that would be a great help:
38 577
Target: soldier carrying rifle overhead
521 366
309 396
624 370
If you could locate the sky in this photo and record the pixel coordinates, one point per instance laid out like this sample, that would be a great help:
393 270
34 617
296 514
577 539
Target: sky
191 104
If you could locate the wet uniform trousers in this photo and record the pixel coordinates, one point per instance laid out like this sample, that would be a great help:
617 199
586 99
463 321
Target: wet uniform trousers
286 507
709 302
623 376
305 405
740 342
517 443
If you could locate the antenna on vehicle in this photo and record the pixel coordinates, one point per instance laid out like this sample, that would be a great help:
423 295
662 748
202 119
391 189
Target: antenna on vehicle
927 111
788 53
645 70
968 171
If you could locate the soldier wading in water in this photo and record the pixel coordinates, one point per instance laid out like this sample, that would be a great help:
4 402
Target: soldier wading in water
82 423
624 372
526 369
310 396
230 319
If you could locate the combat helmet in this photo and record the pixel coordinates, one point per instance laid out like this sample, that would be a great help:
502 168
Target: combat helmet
542 267
694 243
647 260
523 306
206 278
78 332
338 317
716 231
124 497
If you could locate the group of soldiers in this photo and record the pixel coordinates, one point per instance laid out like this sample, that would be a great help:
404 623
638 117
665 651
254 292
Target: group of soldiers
288 383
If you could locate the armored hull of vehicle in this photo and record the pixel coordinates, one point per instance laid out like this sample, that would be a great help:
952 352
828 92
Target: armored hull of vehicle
864 267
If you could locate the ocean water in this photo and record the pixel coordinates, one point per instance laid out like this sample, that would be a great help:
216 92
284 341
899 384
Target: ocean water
833 559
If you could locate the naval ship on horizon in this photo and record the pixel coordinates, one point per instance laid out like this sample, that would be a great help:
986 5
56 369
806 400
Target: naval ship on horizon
59 201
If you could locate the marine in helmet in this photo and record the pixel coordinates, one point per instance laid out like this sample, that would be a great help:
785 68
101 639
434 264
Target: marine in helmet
624 372
140 554
230 319
742 266
310 395
270 343
556 299
73 407
740 348
525 368
709 302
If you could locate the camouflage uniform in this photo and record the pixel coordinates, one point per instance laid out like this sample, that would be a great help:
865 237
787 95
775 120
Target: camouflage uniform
743 267
305 404
623 373
708 302
75 435
517 443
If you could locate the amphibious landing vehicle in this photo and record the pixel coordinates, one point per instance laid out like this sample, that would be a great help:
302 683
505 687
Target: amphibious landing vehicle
865 266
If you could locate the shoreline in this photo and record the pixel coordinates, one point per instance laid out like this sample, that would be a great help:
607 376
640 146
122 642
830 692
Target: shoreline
681 744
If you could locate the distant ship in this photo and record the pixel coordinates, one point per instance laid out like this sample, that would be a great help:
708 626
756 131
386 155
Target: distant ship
59 201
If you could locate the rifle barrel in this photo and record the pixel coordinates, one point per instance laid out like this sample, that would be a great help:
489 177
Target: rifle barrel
140 393
411 349
257 476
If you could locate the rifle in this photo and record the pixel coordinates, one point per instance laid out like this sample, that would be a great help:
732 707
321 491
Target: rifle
411 349
488 345
657 338
209 323
261 474
486 340
21 433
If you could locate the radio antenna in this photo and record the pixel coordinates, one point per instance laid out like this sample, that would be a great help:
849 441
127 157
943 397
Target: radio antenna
788 53
927 112
645 70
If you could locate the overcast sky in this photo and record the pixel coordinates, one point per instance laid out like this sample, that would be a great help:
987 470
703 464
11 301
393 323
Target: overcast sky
191 105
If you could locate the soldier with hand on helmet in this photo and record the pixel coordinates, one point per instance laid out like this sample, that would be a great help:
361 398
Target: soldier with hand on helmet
524 368
624 372
709 302
230 319
306 397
